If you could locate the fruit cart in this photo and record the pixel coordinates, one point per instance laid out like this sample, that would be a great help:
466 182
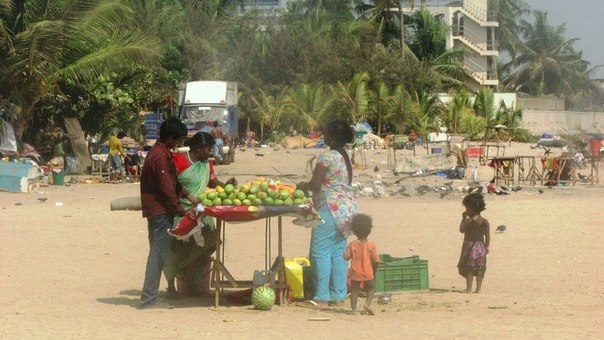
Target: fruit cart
304 215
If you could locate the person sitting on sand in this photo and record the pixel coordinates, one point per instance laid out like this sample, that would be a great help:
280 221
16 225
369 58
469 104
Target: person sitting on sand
190 260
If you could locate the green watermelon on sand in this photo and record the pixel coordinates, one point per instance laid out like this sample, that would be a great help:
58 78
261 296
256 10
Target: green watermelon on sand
263 298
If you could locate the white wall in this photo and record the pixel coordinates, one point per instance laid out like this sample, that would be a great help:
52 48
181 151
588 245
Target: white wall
562 122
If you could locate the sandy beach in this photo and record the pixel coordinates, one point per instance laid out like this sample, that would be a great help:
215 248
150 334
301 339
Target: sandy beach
72 268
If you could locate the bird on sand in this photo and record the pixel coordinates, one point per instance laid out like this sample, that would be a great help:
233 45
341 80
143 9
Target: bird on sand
501 228
42 199
540 190
376 169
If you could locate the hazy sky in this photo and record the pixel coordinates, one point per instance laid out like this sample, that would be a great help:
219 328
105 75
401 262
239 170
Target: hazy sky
584 20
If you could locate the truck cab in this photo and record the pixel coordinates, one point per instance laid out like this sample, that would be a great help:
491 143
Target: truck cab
203 102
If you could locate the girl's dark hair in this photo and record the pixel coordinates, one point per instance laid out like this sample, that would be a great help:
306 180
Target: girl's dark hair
361 225
338 133
172 127
474 202
121 134
200 140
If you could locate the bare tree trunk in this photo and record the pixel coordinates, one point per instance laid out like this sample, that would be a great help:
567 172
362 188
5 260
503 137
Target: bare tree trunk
402 23
23 115
494 61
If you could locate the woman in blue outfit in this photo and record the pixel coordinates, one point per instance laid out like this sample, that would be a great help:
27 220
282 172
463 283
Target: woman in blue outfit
333 199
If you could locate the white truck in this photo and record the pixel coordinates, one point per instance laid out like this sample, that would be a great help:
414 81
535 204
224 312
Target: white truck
201 103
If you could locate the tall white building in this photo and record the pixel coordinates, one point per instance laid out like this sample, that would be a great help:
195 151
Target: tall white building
473 30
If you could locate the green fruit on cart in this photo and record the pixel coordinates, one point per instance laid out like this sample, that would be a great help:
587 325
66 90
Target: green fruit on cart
283 194
267 201
227 201
229 188
254 189
298 193
217 201
211 195
278 201
264 186
201 197
207 202
257 201
246 202
273 194
237 202
288 201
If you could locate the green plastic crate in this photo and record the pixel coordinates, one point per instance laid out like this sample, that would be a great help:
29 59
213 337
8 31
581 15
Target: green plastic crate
399 274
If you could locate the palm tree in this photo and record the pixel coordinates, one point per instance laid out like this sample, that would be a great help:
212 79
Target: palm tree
507 34
429 36
547 64
311 103
380 104
45 44
484 105
457 108
382 14
439 68
353 97
269 110
402 106
427 108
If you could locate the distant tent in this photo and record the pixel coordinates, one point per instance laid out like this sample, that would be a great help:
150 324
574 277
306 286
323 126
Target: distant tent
298 141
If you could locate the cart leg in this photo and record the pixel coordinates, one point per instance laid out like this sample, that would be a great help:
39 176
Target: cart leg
280 269
216 268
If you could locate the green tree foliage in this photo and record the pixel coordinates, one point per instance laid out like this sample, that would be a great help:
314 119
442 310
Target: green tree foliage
310 104
459 106
49 43
508 32
106 60
353 98
547 63
484 105
269 110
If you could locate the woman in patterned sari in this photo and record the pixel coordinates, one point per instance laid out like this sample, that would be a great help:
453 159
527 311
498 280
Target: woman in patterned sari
189 259
333 199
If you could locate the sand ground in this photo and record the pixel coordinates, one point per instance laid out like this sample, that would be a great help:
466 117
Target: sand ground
75 270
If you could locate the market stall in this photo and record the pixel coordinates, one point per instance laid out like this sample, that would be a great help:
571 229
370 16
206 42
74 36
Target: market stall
304 215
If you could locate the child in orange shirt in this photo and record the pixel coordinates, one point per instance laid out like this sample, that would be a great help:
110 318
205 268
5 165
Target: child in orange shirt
364 258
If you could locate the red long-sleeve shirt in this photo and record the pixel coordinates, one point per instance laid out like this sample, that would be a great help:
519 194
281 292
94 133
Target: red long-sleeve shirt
160 189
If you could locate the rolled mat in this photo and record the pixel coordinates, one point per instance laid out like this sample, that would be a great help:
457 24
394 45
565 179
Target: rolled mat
126 203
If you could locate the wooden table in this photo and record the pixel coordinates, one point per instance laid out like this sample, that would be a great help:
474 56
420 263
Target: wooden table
222 278
503 169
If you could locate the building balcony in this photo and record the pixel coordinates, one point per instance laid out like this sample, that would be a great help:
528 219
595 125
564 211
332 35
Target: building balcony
474 41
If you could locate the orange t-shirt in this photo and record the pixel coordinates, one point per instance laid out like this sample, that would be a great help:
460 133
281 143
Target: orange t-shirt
362 255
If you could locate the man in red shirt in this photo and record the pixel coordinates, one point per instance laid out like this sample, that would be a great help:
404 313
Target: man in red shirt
160 199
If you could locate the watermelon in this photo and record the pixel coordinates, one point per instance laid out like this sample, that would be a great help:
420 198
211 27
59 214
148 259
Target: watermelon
263 298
